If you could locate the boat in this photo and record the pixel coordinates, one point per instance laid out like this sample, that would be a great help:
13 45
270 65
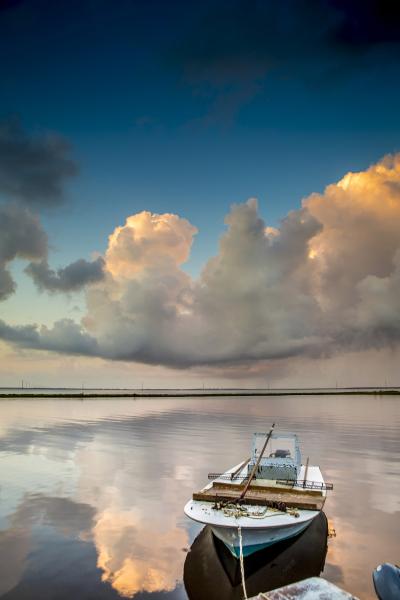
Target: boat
267 498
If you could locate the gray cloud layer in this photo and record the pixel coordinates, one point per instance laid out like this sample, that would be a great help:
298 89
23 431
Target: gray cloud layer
33 169
65 337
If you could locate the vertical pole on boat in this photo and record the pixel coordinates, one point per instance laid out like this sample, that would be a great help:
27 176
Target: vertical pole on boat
253 472
306 472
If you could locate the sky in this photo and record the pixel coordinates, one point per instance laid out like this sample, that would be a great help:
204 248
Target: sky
199 193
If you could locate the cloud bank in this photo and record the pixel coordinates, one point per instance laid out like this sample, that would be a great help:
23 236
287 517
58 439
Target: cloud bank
326 281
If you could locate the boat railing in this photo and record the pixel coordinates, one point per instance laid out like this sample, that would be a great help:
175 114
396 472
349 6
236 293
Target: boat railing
229 476
298 483
306 484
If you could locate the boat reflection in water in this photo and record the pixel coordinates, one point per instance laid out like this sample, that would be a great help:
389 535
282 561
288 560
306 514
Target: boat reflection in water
211 571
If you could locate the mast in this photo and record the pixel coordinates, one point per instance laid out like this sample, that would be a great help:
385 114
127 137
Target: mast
254 469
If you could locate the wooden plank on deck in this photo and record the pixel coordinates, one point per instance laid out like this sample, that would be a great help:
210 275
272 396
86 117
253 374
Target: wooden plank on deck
222 485
261 498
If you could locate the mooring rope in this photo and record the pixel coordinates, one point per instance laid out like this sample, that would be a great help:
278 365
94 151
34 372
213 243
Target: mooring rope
242 562
236 511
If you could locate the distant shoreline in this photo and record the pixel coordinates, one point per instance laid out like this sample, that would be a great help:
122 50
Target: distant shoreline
203 394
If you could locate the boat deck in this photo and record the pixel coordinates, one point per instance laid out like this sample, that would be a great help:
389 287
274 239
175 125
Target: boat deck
206 512
262 491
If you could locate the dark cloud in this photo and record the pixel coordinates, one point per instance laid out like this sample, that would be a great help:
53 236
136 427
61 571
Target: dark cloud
21 236
24 335
231 48
72 278
366 23
33 168
65 337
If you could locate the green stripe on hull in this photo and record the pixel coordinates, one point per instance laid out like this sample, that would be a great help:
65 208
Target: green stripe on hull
247 550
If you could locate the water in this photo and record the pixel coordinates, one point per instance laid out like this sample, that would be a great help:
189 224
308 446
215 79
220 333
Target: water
92 491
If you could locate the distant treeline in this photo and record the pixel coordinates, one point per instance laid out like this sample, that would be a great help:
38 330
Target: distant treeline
202 394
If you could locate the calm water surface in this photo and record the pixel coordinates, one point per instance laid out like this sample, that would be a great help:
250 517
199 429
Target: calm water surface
92 491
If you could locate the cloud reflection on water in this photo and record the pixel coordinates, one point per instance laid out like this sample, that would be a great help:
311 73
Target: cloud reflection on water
139 544
136 555
92 491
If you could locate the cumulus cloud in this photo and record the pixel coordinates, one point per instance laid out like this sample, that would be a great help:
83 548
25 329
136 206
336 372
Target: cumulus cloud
326 280
71 278
33 168
252 298
355 257
360 235
146 292
149 242
149 310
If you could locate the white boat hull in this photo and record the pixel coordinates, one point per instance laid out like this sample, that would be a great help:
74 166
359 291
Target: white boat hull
255 540
257 533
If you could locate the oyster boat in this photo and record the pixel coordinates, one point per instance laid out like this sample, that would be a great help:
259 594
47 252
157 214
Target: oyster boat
269 497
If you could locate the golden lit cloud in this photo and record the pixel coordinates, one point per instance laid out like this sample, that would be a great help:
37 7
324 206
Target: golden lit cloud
360 218
149 241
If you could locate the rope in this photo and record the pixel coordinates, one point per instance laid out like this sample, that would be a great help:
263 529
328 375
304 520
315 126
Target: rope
242 562
241 511
235 510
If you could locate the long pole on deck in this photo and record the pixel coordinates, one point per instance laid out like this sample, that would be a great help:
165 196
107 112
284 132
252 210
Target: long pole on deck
253 472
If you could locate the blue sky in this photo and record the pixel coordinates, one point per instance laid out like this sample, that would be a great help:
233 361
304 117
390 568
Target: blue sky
147 135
